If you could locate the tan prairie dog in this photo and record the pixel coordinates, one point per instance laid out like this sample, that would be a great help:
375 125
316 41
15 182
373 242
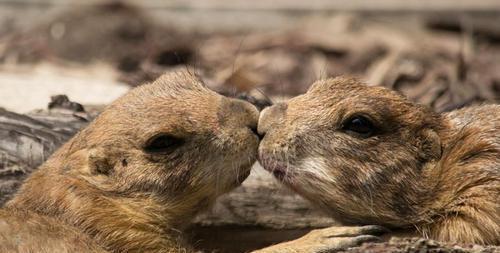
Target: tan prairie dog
137 174
367 155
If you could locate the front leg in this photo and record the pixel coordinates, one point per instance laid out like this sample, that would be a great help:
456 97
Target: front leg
330 239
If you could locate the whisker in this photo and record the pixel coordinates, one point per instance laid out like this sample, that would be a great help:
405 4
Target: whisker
196 62
237 53
264 95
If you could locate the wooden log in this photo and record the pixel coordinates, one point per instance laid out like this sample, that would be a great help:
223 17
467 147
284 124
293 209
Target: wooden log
26 142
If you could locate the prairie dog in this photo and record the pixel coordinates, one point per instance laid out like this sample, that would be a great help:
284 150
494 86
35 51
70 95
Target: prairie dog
367 155
132 179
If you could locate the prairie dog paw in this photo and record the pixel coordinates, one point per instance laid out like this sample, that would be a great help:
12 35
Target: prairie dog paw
349 231
329 239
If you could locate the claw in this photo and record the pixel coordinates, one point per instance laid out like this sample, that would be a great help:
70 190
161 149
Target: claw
374 230
366 238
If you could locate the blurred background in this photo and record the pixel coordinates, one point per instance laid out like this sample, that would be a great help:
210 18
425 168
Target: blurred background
442 53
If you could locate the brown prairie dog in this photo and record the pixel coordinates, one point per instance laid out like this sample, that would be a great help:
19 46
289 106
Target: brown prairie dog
137 174
367 155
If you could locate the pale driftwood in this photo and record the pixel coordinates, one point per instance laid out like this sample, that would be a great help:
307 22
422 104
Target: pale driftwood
262 201
26 141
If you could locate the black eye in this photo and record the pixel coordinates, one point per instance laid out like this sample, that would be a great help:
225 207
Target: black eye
163 143
360 126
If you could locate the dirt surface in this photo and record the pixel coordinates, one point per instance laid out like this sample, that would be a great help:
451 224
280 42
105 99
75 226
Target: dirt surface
24 89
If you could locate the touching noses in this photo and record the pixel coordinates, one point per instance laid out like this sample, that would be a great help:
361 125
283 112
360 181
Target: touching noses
269 117
244 115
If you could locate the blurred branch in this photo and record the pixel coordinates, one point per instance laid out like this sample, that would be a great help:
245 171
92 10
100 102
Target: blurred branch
287 5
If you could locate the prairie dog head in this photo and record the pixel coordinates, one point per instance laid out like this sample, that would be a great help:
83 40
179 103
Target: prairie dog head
173 141
357 151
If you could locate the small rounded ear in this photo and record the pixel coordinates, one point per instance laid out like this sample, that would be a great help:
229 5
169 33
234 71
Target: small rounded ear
430 145
99 162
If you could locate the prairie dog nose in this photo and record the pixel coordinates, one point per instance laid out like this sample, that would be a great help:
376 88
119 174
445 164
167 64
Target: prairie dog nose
238 113
270 116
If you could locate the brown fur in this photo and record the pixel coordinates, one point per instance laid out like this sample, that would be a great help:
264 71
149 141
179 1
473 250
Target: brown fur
438 174
102 192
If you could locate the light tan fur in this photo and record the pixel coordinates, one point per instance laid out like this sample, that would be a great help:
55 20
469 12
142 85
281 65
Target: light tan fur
104 192
435 174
